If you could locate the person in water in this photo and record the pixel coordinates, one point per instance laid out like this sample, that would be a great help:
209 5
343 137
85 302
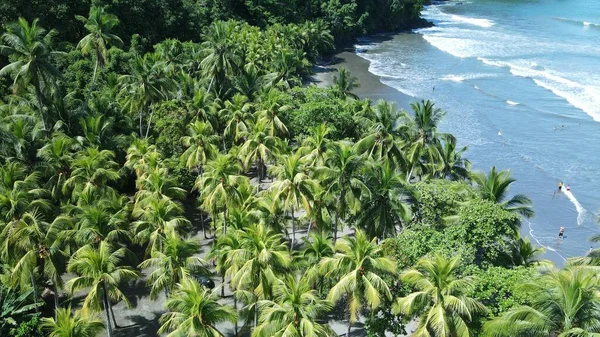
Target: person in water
561 232
560 185
568 188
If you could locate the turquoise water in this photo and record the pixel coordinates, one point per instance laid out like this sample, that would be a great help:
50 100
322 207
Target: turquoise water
520 81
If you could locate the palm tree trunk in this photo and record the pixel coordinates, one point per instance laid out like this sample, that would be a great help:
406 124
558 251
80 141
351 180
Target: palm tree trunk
87 99
149 121
335 227
222 285
349 328
255 314
106 309
38 95
141 118
225 221
200 208
108 305
35 295
55 299
235 326
293 228
112 312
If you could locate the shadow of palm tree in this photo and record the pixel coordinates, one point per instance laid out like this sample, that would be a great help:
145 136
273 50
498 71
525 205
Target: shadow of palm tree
141 327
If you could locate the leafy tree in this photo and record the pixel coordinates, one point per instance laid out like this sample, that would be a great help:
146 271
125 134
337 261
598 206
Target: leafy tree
564 303
72 324
30 48
99 25
359 266
14 308
294 311
194 311
494 187
440 299
293 186
177 261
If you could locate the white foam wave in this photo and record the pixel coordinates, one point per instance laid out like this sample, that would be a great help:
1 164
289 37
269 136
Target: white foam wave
581 212
485 23
581 96
511 102
538 241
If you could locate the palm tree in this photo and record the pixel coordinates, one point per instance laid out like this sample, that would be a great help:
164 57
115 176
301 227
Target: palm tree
56 161
259 147
157 183
526 254
314 148
219 186
98 24
387 207
101 272
358 265
316 247
220 59
344 83
202 145
343 176
237 111
294 311
20 192
455 166
495 185
564 303
440 301
92 170
293 186
29 46
148 83
194 311
261 256
388 128
177 261
72 324
270 107
158 218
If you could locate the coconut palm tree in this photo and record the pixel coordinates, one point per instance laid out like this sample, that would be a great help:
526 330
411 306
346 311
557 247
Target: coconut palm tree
29 47
147 83
259 148
526 254
388 205
178 259
157 183
344 83
57 156
316 247
383 139
455 166
141 156
358 266
20 192
270 108
294 311
92 170
72 324
495 185
34 249
564 303
101 272
293 186
440 301
157 218
314 147
219 186
220 57
262 256
98 24
238 113
194 311
342 175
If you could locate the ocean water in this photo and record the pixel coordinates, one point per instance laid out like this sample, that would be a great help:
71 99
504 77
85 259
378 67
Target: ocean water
520 82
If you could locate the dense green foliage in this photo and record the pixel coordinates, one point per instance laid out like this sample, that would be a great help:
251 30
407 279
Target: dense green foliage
116 153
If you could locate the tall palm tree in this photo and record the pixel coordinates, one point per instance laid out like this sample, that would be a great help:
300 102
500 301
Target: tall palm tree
98 24
202 145
344 83
259 147
383 139
270 108
178 260
149 82
100 271
57 156
342 175
20 192
388 205
219 186
294 311
238 113
293 186
30 48
440 301
157 183
194 311
314 148
157 219
261 257
564 303
526 254
92 170
359 265
220 57
141 156
454 165
495 185
72 324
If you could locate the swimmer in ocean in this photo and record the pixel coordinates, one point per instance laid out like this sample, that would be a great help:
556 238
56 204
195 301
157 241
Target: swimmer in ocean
561 232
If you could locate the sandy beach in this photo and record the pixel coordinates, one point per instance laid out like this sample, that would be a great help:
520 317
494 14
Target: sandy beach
370 85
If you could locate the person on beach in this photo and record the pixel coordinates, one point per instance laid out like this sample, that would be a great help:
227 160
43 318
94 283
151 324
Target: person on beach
561 232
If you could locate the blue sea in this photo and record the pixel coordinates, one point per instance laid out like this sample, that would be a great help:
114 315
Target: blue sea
520 82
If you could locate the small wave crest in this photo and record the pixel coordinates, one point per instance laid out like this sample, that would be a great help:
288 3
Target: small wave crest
578 22
511 102
485 23
581 212
543 241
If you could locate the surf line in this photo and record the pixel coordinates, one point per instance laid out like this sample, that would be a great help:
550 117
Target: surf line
540 243
580 210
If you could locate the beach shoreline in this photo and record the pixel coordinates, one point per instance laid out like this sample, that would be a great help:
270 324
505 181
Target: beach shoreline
372 88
